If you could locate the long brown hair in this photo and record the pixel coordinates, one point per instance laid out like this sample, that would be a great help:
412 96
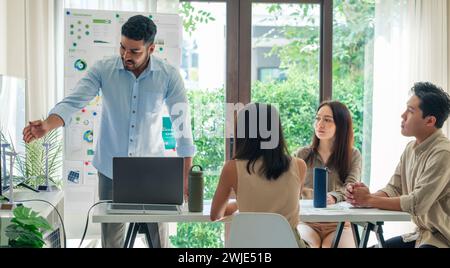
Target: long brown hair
341 156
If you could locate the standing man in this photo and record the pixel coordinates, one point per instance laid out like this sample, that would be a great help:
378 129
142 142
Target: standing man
421 182
134 86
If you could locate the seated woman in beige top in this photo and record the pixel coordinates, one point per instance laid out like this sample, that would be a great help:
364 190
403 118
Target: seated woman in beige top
263 175
332 147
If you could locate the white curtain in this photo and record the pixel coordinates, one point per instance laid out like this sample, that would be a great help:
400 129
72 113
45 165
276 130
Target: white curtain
12 38
28 51
12 101
41 58
410 46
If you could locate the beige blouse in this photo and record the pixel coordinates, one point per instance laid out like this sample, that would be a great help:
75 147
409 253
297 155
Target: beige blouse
336 186
257 194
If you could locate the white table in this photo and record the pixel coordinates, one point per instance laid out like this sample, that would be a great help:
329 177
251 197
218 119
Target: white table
370 218
345 212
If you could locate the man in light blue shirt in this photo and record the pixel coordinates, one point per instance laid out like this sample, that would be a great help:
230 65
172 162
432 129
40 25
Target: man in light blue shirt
134 88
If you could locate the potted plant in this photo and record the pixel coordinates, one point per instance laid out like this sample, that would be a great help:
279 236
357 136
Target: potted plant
27 229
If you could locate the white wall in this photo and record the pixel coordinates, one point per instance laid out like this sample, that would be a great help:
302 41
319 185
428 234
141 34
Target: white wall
12 26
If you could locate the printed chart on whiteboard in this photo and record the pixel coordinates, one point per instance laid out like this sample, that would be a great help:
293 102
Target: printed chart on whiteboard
92 35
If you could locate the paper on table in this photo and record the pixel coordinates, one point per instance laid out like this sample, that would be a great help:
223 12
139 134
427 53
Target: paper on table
341 206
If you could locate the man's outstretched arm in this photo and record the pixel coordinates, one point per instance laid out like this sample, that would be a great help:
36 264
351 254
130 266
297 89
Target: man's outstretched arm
38 129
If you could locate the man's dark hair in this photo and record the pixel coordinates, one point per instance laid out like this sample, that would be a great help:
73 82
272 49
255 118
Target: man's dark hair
140 28
434 101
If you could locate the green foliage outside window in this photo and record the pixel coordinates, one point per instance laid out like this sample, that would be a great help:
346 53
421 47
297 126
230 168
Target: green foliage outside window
210 155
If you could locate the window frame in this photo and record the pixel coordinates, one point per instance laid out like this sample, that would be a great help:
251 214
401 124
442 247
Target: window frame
239 50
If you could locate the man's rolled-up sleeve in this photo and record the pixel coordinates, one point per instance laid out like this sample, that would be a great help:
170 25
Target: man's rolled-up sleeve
85 90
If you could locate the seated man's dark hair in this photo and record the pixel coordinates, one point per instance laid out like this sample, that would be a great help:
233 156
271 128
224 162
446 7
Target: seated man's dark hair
434 101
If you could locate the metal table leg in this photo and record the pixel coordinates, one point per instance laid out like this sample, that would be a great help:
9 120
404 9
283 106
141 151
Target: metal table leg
355 232
379 234
365 235
134 234
337 235
128 236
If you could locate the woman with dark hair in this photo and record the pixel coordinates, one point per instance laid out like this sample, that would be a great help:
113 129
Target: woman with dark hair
332 147
263 175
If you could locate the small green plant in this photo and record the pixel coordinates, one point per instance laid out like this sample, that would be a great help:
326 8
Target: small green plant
27 229
31 166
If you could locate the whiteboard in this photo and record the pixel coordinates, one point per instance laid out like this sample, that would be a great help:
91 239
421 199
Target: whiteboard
89 36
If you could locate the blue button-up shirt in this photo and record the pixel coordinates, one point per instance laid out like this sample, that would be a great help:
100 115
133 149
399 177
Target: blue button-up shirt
131 121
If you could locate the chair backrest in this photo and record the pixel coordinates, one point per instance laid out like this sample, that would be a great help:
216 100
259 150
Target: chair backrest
261 230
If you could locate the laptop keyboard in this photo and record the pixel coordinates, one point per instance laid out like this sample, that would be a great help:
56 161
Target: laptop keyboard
160 207
127 206
144 207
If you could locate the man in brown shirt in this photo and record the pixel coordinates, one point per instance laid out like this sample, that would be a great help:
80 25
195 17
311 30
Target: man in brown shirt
421 183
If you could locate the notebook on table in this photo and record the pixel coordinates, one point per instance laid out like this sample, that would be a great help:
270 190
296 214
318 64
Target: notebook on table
147 185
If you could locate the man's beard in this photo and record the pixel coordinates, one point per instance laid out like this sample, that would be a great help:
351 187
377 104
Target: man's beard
129 67
133 65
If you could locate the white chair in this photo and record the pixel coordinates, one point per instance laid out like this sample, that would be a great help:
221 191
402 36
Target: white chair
261 230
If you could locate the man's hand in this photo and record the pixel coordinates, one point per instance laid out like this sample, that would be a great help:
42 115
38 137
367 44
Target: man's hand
361 197
349 190
331 199
35 130
358 195
38 129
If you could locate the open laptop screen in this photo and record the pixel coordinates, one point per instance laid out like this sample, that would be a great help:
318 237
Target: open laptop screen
148 180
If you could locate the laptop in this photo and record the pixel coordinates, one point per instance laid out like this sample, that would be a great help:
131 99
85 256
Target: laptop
147 185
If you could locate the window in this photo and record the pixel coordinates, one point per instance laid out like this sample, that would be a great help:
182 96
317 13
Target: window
250 51
203 68
353 44
286 53
12 98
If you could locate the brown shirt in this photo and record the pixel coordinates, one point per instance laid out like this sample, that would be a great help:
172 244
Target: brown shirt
336 186
422 181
